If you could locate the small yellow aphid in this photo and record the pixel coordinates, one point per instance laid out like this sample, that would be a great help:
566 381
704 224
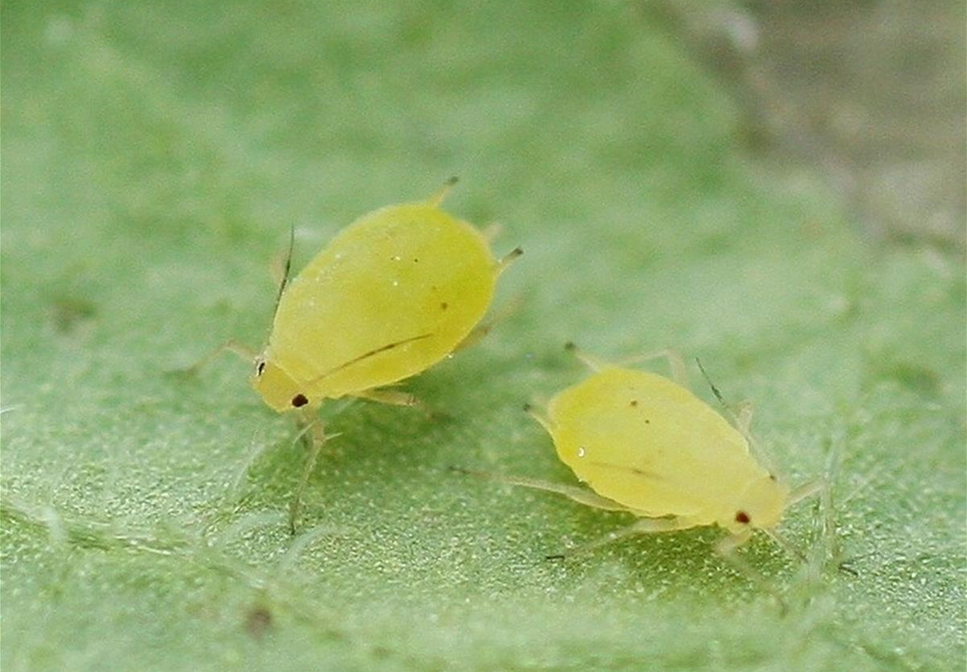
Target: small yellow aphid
648 446
396 291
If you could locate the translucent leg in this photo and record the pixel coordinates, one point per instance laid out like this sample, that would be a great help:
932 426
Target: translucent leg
808 489
743 417
642 526
820 486
492 231
726 548
391 397
675 362
572 492
313 435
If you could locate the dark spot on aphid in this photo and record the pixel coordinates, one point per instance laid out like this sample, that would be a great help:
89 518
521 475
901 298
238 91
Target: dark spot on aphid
299 400
259 368
258 621
444 305
415 260
634 402
742 517
647 421
772 477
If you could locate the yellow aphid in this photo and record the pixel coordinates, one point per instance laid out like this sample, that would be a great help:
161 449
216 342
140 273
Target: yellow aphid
395 292
648 446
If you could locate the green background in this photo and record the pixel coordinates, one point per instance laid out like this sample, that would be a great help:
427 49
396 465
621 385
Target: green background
155 156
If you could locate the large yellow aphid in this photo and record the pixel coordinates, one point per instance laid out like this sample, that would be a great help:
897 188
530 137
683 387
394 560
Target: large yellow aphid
396 291
646 445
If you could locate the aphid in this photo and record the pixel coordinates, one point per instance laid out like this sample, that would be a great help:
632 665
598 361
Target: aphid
396 291
648 446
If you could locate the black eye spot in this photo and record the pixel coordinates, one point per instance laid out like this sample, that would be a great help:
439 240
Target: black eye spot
772 477
444 305
299 400
742 517
259 368
634 402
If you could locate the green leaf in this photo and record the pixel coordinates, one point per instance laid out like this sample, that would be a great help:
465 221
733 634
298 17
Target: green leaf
156 156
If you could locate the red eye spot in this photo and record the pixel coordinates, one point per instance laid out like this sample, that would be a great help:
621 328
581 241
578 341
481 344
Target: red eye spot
299 400
742 517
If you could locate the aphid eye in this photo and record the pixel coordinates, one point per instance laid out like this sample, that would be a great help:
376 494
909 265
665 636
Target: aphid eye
299 400
772 477
742 517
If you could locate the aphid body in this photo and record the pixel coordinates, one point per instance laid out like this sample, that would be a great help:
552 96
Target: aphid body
653 447
393 293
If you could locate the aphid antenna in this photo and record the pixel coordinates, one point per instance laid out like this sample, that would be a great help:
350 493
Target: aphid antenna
762 456
286 269
232 346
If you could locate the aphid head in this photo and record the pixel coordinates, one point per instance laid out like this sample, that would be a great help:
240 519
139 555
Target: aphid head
760 506
278 390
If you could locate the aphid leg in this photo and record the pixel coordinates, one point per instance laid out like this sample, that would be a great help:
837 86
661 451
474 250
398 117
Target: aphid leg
743 418
806 490
820 487
727 546
391 397
508 259
313 435
573 492
675 362
538 415
437 198
641 526
233 347
785 544
492 231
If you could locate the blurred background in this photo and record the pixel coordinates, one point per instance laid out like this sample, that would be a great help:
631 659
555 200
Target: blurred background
869 92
